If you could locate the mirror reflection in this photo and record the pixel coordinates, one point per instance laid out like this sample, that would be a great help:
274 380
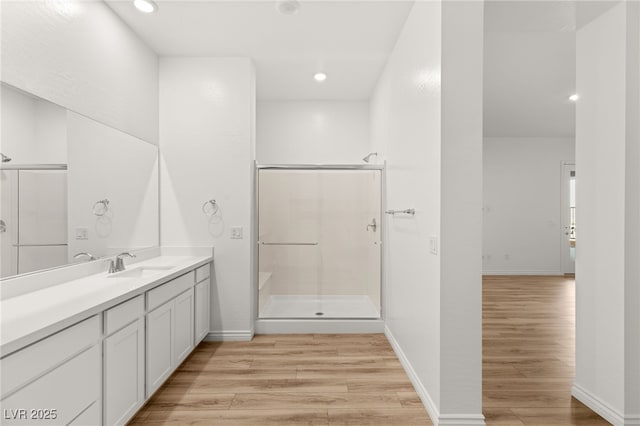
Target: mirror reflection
70 185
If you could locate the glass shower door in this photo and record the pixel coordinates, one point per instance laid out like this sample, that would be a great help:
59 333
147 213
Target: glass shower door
319 243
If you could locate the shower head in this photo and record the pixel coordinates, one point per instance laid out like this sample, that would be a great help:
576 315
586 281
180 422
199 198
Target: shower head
368 157
4 158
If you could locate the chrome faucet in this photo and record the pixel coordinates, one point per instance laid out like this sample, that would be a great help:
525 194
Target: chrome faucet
119 262
89 256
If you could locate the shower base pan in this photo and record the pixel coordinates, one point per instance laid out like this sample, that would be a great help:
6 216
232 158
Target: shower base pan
319 307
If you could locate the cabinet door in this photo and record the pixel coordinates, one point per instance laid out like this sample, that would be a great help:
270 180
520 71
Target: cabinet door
90 416
124 373
183 326
159 348
202 310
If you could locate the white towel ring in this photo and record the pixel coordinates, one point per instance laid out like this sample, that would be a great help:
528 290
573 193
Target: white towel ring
101 207
210 207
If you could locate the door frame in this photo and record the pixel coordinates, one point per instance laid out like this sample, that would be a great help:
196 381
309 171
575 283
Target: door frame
564 201
256 233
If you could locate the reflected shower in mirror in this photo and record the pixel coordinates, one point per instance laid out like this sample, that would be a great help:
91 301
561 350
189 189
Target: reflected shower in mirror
58 165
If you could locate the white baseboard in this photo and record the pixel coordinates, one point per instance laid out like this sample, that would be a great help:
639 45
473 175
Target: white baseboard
304 326
436 418
552 273
461 420
609 413
229 336
428 403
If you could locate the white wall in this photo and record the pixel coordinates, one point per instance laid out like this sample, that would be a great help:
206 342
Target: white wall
427 123
607 205
107 163
311 132
207 151
405 119
522 229
80 55
460 211
34 131
632 213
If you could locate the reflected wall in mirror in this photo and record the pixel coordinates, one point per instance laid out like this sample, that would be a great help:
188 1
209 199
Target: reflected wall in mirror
56 165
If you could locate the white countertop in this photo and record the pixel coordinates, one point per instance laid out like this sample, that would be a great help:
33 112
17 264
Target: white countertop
26 318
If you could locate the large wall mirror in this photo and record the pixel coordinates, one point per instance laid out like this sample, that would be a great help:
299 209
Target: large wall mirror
70 185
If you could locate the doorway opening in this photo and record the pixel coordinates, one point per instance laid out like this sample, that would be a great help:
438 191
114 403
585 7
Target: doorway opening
568 219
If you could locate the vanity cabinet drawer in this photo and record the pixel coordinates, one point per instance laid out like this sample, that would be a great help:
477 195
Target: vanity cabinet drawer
203 272
168 291
123 314
33 361
61 395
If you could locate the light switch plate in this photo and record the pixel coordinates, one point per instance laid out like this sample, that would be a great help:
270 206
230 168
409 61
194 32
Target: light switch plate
82 233
236 232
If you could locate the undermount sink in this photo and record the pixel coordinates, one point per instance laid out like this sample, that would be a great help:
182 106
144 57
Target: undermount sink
140 272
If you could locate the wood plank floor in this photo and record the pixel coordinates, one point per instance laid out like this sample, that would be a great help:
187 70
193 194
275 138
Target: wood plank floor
528 352
289 380
528 346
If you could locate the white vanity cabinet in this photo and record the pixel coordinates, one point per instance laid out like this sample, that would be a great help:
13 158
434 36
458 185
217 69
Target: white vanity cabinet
101 370
57 380
123 362
170 320
202 302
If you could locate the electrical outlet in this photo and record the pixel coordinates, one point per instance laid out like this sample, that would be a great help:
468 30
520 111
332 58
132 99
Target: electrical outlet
82 233
433 245
236 232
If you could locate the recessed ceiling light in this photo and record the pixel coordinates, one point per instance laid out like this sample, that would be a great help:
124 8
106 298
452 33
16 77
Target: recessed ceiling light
145 6
288 7
574 97
320 77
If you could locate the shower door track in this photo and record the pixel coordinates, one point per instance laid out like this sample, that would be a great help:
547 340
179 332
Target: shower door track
256 242
321 166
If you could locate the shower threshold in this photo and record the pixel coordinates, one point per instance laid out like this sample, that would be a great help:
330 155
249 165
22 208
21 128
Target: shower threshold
319 307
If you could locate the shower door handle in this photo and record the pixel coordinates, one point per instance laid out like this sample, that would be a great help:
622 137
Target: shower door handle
373 225
3 226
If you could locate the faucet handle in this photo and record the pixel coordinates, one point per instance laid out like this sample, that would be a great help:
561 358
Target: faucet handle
112 267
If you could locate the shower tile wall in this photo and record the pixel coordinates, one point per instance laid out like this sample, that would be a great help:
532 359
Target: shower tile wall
330 208
9 215
42 227
34 208
43 207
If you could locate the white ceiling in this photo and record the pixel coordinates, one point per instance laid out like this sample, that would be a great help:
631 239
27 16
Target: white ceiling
530 65
349 40
529 68
528 78
529 50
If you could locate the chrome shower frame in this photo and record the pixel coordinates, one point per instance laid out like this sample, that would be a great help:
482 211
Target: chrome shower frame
255 243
